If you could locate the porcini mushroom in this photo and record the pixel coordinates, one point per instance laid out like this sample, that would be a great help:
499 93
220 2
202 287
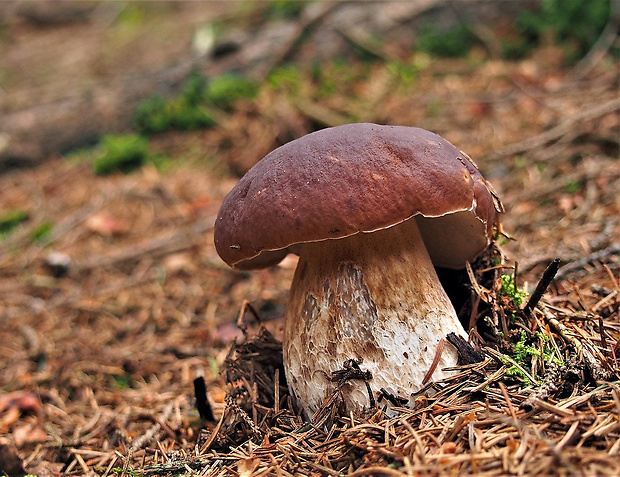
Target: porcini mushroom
370 210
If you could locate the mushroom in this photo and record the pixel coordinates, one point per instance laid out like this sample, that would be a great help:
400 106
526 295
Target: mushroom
370 210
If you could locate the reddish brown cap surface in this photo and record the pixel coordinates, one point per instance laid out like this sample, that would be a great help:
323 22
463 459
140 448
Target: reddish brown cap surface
357 178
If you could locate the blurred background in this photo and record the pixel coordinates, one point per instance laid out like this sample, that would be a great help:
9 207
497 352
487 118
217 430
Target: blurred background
124 124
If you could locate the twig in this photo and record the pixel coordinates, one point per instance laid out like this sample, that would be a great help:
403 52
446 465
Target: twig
502 358
438 353
545 406
598 373
483 293
364 44
287 47
276 391
467 353
393 400
213 435
320 113
511 408
542 286
245 306
352 370
202 403
149 435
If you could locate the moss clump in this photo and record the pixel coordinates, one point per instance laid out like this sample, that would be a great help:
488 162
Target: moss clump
122 153
185 112
526 350
454 43
194 107
224 90
510 290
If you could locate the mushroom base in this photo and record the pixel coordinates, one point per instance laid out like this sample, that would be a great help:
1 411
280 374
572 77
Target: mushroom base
371 296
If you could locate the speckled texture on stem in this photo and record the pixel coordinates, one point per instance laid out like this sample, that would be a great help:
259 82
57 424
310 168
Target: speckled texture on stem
373 296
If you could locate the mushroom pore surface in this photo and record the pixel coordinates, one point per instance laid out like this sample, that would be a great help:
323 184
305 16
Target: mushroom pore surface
371 296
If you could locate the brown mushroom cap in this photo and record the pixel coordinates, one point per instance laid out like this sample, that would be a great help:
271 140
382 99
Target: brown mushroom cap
354 178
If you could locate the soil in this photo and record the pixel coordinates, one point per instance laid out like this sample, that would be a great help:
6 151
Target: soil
107 319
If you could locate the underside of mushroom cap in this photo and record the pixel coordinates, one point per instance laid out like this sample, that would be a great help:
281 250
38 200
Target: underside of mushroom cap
355 178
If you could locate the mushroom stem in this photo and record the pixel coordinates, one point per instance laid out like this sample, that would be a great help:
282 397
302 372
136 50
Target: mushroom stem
373 296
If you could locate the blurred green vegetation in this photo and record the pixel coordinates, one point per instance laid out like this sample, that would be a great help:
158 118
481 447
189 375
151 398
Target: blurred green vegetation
10 220
224 90
284 9
124 153
573 187
131 15
285 79
43 232
184 112
121 153
574 24
156 114
193 107
454 43
405 72
122 381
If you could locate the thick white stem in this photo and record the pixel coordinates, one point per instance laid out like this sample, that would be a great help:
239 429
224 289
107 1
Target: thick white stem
373 296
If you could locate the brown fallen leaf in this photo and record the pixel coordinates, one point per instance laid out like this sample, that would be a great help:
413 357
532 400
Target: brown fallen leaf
179 262
15 405
24 401
106 225
246 467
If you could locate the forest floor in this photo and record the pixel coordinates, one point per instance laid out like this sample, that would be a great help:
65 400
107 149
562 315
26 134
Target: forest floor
100 352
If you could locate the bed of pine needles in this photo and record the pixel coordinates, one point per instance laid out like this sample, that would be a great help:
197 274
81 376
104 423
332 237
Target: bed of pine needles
556 405
101 364
110 349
